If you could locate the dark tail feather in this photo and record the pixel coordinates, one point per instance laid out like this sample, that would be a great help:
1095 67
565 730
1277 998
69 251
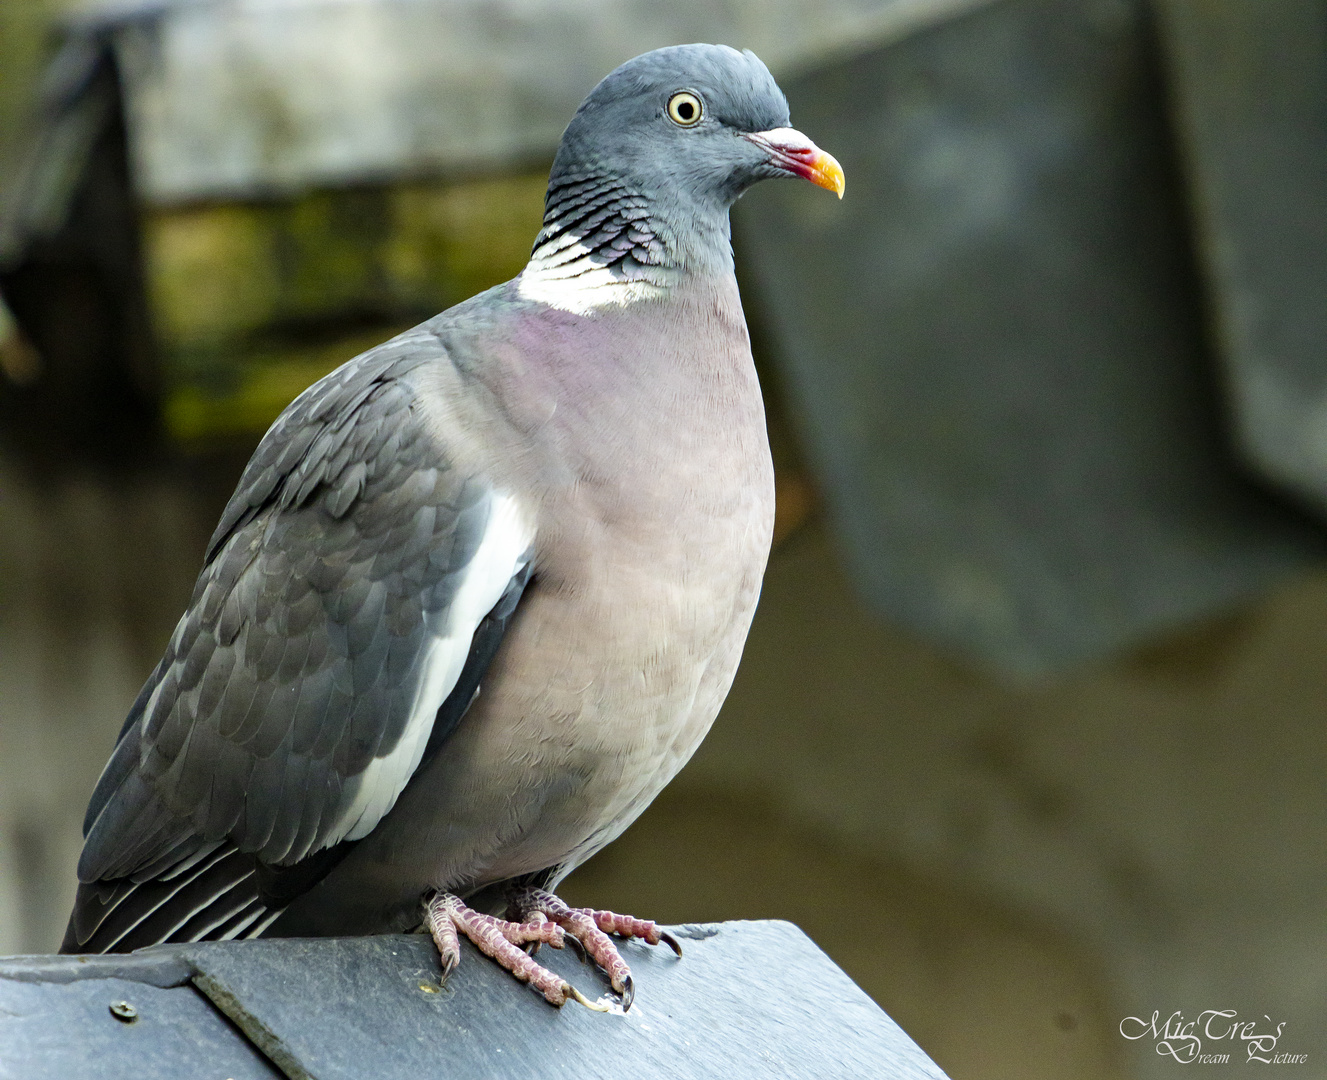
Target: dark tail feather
216 898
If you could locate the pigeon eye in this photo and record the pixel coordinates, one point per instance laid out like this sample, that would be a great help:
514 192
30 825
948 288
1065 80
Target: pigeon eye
685 109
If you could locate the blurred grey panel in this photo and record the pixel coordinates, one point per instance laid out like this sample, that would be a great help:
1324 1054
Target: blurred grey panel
233 98
995 341
1249 78
50 1031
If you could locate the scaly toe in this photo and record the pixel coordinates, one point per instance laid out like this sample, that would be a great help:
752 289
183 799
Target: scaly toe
503 940
588 930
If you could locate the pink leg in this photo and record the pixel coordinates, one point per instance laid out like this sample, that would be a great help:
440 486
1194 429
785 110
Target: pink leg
445 915
591 928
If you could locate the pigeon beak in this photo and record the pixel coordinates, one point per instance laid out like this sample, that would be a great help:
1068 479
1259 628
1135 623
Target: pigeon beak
794 153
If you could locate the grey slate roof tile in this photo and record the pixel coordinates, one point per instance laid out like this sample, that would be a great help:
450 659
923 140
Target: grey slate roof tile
748 999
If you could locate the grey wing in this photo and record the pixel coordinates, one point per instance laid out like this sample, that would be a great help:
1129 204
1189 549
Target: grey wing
336 615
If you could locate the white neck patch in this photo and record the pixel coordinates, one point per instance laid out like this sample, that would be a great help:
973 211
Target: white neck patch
563 274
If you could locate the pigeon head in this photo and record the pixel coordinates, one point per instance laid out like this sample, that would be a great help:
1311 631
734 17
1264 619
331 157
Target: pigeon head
695 124
650 165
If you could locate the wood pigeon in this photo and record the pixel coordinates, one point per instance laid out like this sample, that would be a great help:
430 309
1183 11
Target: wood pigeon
480 591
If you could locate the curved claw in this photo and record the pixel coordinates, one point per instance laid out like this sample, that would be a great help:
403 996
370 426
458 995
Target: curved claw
448 966
577 996
531 947
671 942
628 993
577 947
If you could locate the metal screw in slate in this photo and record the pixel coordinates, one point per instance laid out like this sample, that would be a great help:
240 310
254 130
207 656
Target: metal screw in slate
124 1012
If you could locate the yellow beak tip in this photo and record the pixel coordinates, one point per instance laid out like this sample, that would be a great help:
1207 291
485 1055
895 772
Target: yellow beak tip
829 174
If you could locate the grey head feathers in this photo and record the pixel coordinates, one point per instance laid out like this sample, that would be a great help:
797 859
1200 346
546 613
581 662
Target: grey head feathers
648 195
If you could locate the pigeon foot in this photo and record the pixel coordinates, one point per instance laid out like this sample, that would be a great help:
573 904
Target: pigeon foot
447 917
530 907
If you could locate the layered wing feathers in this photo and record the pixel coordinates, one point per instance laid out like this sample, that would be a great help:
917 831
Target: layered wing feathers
335 615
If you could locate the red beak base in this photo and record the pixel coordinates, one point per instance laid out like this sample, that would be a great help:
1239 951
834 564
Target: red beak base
794 153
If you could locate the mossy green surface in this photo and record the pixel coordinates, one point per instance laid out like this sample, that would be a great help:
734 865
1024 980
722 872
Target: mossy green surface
254 301
26 41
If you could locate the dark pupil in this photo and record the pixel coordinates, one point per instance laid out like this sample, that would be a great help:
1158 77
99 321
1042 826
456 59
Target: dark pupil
685 110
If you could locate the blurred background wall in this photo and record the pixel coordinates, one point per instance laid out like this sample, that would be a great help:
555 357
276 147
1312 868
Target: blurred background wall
1028 735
